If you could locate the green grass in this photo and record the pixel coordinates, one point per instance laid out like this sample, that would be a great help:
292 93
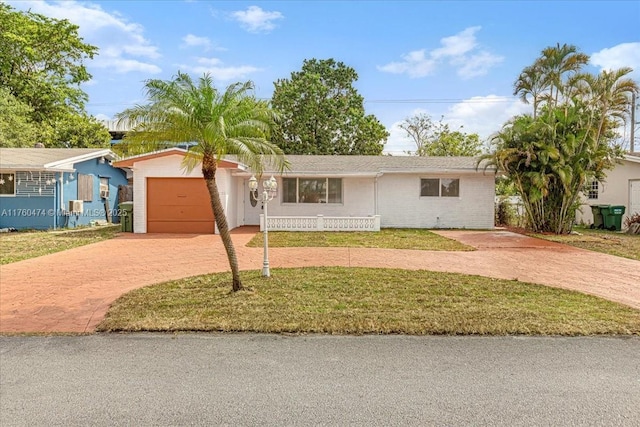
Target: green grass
386 238
367 301
608 242
30 244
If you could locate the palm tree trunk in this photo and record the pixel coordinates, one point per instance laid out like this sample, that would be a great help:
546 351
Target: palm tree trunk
209 167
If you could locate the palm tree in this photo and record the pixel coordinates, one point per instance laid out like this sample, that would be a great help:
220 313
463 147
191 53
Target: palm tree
531 82
558 63
220 123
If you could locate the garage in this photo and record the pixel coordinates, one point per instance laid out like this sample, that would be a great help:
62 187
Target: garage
179 205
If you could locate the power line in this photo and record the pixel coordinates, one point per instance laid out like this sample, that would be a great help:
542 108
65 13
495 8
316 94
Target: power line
441 101
497 100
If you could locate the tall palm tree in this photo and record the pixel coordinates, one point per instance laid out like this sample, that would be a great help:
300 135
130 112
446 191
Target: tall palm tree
220 123
558 63
531 82
610 95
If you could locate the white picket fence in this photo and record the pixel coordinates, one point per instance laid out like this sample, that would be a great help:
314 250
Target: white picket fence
322 223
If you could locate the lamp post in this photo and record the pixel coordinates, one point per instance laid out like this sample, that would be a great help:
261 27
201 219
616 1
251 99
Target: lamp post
269 188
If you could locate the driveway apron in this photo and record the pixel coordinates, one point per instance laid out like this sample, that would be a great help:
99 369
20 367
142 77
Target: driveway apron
71 291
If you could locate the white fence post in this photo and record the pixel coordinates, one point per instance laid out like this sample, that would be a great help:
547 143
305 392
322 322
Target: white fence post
320 223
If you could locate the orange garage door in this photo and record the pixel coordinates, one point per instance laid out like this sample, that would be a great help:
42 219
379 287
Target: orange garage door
178 205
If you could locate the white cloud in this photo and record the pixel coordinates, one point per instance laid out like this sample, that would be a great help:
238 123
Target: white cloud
457 45
256 20
191 40
622 55
460 50
415 64
123 66
102 117
477 65
121 43
398 143
218 71
484 115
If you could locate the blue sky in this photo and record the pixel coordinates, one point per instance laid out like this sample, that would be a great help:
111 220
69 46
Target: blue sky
456 59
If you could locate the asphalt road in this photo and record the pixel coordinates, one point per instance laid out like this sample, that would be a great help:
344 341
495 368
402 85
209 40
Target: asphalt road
245 379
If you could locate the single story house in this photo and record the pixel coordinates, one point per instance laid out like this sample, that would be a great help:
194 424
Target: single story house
316 192
621 188
49 188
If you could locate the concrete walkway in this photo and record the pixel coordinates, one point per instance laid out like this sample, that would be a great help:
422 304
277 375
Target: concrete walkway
71 291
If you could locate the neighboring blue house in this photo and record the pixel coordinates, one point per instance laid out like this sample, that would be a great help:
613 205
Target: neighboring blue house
49 188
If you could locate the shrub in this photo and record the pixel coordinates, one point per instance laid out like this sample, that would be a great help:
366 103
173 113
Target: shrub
632 219
505 213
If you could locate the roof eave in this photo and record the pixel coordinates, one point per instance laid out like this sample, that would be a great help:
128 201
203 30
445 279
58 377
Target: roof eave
78 159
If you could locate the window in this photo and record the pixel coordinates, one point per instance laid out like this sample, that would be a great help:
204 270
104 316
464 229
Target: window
85 187
7 184
449 187
312 190
439 187
430 187
593 190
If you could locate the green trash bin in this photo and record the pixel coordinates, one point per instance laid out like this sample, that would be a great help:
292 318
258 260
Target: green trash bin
598 220
612 217
126 217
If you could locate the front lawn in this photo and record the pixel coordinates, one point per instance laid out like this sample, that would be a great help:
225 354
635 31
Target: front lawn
388 238
21 245
367 301
608 242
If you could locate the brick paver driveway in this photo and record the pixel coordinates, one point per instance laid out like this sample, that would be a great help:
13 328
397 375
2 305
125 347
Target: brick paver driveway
71 291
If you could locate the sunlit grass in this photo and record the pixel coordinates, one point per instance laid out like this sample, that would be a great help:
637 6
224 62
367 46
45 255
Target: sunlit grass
608 242
17 246
367 301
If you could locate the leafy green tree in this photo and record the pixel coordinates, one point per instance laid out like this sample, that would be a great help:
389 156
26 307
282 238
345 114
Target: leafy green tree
220 123
16 128
322 113
42 67
553 154
437 139
79 131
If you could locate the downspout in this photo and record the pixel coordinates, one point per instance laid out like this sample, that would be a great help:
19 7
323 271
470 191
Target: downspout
55 203
375 193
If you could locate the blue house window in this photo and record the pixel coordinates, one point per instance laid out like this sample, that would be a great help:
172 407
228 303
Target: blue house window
7 184
27 184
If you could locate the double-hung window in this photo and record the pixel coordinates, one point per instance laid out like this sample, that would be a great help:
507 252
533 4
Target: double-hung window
439 187
312 190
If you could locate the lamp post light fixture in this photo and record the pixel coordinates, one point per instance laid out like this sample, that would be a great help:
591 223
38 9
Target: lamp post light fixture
269 189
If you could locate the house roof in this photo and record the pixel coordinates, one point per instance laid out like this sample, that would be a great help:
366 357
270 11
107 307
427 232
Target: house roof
335 165
229 162
633 157
49 158
373 165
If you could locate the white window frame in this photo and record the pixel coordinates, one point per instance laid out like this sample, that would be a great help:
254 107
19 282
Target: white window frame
593 191
439 187
323 200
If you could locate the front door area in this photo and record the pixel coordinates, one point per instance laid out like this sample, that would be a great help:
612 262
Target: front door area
252 207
